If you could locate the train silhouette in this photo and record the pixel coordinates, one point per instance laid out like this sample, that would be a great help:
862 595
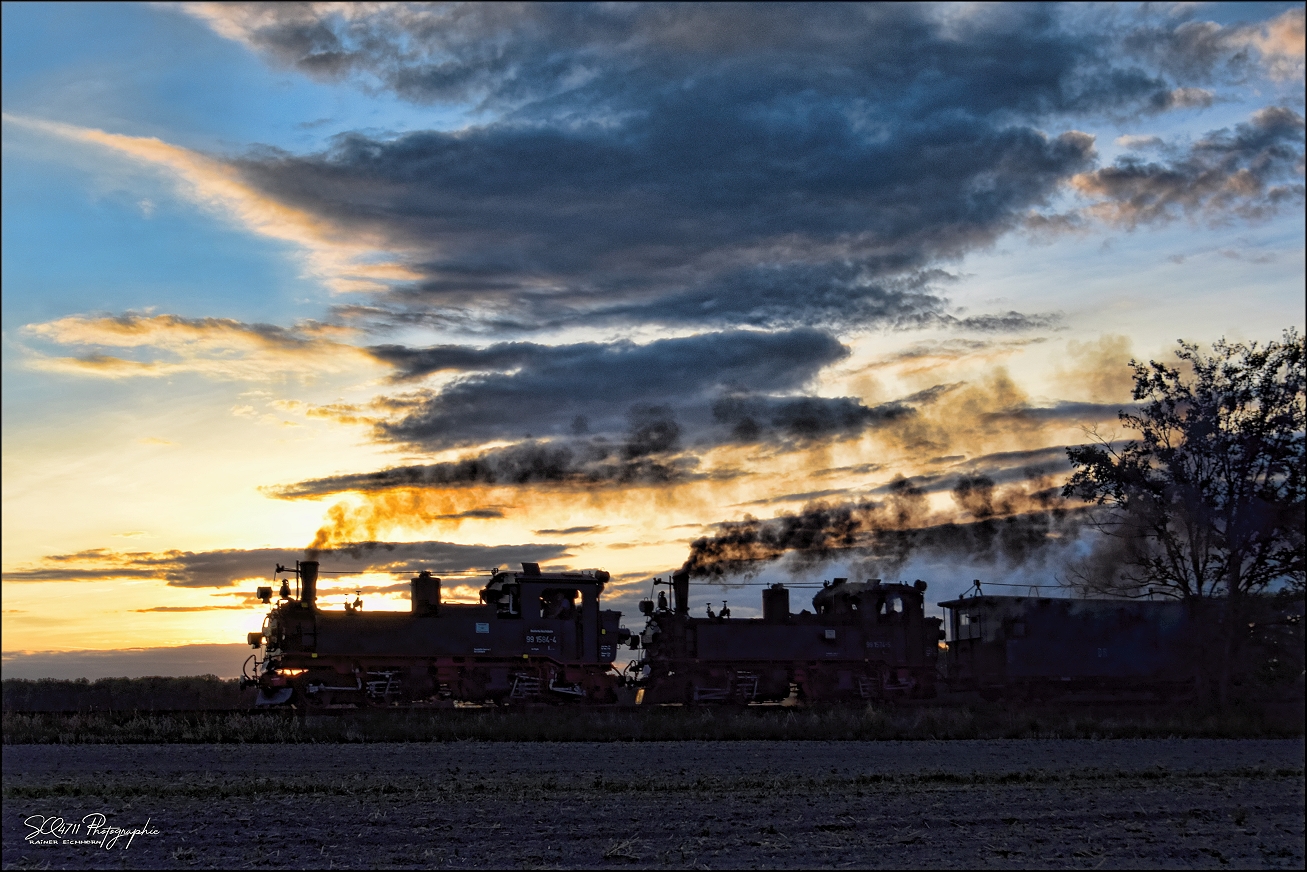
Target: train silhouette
543 637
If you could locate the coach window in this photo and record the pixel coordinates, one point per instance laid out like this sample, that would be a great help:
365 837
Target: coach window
891 608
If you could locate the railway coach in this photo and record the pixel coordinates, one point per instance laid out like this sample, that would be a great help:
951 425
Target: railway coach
1032 647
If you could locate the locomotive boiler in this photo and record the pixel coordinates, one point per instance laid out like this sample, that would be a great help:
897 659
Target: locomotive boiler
534 636
862 641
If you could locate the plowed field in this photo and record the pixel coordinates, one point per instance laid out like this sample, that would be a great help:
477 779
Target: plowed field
957 804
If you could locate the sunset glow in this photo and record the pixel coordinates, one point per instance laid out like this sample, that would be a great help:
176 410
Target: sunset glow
579 300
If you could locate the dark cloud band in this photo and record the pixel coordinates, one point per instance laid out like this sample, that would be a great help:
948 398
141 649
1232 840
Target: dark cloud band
731 165
224 568
601 389
1251 172
528 464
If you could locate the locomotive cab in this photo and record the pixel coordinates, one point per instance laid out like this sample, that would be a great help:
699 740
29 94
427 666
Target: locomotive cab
870 602
503 592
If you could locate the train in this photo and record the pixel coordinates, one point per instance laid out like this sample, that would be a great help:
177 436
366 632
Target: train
543 637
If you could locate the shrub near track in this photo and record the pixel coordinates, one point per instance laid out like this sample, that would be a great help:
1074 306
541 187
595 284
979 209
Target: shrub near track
651 725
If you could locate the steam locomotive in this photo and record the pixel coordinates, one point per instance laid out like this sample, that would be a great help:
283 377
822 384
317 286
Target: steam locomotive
534 636
542 637
863 641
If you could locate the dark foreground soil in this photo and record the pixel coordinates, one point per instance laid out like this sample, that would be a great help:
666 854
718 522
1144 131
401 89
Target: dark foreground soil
1157 803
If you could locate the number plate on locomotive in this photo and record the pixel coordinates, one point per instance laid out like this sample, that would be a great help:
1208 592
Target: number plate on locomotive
538 640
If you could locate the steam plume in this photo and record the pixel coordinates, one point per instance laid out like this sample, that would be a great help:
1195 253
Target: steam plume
1013 526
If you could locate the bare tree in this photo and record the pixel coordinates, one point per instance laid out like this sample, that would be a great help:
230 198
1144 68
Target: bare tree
1207 503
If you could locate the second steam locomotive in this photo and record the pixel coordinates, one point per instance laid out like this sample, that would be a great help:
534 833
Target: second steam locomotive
864 640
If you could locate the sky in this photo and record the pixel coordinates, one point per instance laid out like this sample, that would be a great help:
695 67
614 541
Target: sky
453 287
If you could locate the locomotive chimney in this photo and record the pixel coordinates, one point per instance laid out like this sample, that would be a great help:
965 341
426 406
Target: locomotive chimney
776 604
681 590
308 582
425 594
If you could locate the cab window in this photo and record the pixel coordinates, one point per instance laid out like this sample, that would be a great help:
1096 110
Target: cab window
558 603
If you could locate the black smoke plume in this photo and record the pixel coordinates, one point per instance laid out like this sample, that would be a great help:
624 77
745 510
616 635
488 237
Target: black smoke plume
892 531
578 463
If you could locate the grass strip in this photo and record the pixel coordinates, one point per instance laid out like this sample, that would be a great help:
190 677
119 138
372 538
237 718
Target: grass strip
653 725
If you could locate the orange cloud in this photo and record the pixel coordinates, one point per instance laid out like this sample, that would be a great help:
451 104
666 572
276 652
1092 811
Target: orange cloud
1282 42
1098 371
218 347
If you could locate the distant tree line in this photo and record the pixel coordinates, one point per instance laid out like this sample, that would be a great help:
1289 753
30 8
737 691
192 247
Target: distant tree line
125 694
